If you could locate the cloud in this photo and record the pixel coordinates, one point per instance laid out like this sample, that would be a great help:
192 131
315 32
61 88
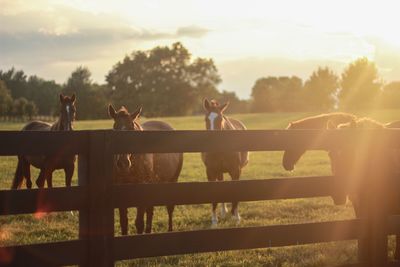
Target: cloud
60 33
191 31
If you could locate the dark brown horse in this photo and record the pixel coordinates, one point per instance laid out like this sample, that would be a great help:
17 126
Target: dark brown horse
292 156
50 163
143 168
369 175
222 162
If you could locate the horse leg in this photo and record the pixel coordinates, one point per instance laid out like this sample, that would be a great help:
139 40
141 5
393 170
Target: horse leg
224 209
19 174
27 173
69 172
170 209
149 219
139 222
235 175
40 180
123 220
211 176
49 180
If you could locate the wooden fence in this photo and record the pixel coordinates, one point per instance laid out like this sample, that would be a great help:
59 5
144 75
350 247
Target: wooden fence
96 197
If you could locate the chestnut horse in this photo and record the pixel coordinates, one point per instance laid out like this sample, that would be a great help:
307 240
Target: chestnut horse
222 162
143 168
360 168
47 164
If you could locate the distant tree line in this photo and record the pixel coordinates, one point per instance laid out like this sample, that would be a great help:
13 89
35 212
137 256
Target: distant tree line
359 87
167 81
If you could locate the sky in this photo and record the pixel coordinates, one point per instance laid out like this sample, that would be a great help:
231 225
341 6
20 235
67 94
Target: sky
246 39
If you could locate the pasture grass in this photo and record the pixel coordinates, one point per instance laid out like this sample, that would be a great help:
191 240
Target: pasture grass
25 229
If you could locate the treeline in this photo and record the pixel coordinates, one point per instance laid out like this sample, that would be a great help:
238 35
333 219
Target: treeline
167 81
358 87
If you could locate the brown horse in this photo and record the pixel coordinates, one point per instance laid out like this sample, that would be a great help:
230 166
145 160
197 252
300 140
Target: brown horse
360 168
143 168
319 122
292 156
50 163
225 162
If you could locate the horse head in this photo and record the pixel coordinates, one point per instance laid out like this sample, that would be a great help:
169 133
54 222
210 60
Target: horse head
292 155
214 114
123 120
67 112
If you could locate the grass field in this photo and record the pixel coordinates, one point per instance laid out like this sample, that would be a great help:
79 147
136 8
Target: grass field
64 226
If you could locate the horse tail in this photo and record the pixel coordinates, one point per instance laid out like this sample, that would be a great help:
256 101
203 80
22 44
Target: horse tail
19 174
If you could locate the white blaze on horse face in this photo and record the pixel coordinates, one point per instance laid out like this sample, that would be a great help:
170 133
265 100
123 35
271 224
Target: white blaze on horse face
211 117
67 108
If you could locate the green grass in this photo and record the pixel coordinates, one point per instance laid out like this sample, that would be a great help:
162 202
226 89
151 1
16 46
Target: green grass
26 229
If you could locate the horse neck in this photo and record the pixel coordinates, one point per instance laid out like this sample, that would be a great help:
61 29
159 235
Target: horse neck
227 124
57 126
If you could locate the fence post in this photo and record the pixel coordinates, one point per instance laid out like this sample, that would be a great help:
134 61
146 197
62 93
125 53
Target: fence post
96 221
372 245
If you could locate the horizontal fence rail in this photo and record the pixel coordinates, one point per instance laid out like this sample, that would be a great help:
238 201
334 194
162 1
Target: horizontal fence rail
42 200
46 254
206 192
76 142
165 244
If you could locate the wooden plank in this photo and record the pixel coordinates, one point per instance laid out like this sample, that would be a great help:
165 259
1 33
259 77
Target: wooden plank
251 140
41 200
42 142
47 254
45 143
207 192
97 222
393 224
164 244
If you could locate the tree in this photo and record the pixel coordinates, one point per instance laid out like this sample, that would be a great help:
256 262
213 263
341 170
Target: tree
15 82
360 85
44 94
5 99
235 104
31 109
91 101
19 107
390 97
164 80
320 90
277 94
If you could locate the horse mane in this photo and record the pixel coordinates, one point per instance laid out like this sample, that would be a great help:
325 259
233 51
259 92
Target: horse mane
320 121
365 123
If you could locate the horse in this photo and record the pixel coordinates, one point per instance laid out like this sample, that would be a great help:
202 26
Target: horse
47 164
219 163
143 168
292 156
360 168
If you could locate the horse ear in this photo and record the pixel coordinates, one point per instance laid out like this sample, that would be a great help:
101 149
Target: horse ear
62 97
136 114
330 125
224 106
73 98
111 111
206 104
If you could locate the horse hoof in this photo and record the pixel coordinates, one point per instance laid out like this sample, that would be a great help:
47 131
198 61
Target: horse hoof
214 224
237 217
